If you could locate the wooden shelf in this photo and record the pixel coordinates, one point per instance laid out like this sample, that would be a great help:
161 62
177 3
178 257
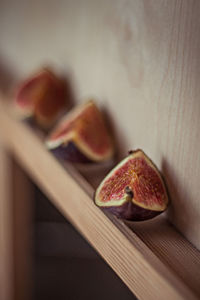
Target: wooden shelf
152 258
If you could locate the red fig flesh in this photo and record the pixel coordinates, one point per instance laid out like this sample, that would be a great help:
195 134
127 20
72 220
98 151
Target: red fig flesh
133 190
81 136
41 96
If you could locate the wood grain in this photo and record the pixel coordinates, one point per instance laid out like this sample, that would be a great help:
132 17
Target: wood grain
172 248
6 229
15 230
22 232
146 273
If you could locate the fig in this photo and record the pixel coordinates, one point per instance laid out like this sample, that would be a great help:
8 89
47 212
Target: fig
42 97
134 190
81 136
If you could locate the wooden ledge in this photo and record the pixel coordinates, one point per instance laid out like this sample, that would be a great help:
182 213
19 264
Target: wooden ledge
152 258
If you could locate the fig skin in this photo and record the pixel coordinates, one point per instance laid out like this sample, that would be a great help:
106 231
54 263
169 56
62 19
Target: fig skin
70 153
130 209
131 212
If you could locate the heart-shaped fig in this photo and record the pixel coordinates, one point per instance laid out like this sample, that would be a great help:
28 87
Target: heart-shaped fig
81 136
133 190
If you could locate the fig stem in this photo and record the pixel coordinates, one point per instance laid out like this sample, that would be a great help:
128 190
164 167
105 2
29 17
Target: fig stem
129 191
130 152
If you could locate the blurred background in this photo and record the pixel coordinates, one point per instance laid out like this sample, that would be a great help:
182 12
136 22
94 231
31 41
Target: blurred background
65 265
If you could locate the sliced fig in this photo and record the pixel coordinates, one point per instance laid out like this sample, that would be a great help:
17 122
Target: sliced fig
133 190
41 96
81 136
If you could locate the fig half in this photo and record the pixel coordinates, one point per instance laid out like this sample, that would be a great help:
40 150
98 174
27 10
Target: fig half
41 96
133 190
81 136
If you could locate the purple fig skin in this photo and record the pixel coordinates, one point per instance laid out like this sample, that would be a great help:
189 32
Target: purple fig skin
131 212
126 201
70 153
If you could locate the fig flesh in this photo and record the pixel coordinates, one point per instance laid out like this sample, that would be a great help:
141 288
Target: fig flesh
133 190
42 96
81 136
